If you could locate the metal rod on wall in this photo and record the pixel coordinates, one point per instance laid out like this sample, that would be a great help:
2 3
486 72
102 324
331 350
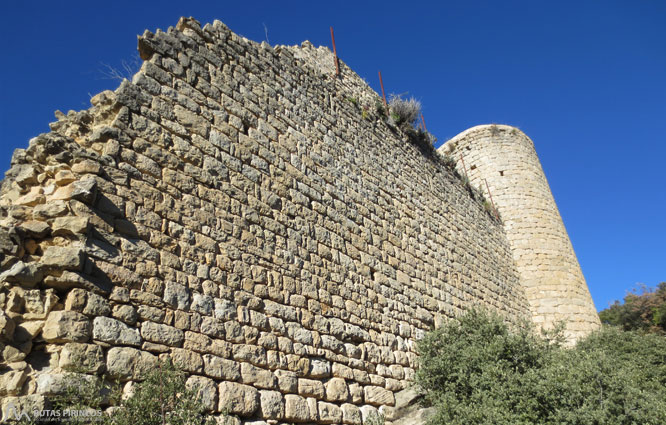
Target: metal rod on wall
381 83
335 53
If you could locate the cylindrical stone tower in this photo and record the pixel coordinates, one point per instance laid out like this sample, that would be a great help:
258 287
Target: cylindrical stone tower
547 265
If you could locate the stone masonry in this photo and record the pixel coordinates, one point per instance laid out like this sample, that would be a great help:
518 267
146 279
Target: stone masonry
505 158
242 211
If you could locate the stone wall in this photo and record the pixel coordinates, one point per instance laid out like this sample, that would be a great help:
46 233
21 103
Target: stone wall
505 158
240 210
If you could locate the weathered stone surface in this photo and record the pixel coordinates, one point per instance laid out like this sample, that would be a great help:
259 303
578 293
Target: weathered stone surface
186 360
311 388
66 326
23 274
272 404
162 334
58 383
238 399
320 368
70 226
176 295
351 414
11 381
206 391
85 358
217 367
35 228
257 377
126 313
329 413
115 332
296 409
336 390
378 396
96 305
127 363
7 327
63 258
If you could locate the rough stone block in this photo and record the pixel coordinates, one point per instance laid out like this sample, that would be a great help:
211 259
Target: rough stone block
217 367
378 396
336 390
87 358
257 377
238 399
329 413
66 326
272 404
114 331
127 363
162 334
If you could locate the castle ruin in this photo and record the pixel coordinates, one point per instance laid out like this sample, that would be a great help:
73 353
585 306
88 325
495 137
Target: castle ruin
239 209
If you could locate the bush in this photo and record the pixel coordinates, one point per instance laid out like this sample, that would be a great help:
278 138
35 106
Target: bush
478 371
162 398
642 310
404 111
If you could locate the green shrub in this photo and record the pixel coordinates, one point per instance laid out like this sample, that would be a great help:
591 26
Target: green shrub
476 370
161 398
643 309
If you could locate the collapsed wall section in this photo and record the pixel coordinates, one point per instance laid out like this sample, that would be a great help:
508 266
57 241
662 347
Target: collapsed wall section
240 210
505 158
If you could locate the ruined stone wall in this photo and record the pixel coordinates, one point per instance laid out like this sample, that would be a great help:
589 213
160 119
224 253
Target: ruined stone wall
241 211
505 158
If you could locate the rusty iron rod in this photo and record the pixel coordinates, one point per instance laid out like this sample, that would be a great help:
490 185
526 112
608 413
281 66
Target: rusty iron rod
490 195
425 130
464 168
381 83
335 53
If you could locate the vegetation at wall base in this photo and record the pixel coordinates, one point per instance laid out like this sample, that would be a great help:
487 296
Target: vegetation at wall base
161 398
477 370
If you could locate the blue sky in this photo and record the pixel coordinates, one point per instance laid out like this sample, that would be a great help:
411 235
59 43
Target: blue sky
586 80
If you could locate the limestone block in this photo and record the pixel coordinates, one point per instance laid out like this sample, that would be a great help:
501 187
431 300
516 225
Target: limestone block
176 295
319 368
336 390
186 360
96 306
70 226
287 381
250 353
126 313
206 391
272 404
59 383
311 388
238 399
296 409
66 326
351 414
257 377
115 332
11 382
127 363
329 413
378 396
217 367
356 393
67 258
87 358
162 334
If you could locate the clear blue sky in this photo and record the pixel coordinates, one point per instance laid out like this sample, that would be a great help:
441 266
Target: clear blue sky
586 80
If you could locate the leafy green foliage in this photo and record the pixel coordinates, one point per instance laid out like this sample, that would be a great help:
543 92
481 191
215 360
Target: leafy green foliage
642 310
161 398
479 371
